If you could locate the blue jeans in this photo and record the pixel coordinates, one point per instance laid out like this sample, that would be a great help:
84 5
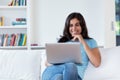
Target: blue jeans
67 71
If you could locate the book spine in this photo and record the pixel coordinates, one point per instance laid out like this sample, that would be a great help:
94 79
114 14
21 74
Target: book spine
0 21
1 39
25 2
9 39
5 40
24 40
18 39
12 40
13 2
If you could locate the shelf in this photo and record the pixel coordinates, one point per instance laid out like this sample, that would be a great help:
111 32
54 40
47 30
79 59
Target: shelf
21 47
14 20
13 7
13 47
37 47
13 27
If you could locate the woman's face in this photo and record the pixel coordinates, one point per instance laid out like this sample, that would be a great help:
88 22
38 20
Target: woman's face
75 28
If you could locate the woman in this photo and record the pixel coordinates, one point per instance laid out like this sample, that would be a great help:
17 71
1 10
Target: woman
75 31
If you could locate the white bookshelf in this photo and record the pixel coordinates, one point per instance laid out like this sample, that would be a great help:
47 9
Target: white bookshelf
37 47
13 27
10 13
13 7
13 47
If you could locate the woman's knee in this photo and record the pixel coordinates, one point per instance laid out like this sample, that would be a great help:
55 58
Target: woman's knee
53 77
70 68
57 77
50 72
70 65
47 74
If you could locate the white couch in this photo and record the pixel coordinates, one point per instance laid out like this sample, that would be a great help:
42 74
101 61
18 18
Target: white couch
108 70
29 65
20 64
110 66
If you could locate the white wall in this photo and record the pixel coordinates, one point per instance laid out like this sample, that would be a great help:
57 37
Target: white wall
109 13
95 20
49 18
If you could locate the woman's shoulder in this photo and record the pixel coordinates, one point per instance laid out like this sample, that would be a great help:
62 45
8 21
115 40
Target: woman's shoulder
91 42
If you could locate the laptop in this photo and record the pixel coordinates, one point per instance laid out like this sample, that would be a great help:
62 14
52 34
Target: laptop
63 52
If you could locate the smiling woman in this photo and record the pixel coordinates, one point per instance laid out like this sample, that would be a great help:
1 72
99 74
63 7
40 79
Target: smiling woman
75 27
47 19
75 31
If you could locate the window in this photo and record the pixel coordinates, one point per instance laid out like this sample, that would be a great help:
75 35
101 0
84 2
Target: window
117 6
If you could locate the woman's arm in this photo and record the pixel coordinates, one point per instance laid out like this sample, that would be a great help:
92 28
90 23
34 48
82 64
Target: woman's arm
93 54
47 64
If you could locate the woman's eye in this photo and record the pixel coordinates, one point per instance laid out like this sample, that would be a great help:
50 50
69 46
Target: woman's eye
71 25
77 24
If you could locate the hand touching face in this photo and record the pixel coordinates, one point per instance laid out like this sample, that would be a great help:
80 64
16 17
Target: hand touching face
75 29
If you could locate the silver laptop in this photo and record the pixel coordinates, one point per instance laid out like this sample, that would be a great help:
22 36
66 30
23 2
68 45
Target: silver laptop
63 52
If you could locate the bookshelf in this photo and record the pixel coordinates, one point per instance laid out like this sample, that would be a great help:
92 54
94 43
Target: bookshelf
13 7
14 21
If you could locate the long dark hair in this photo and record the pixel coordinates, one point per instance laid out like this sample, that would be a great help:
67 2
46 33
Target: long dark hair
66 34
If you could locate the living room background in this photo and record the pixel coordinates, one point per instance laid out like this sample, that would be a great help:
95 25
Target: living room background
48 19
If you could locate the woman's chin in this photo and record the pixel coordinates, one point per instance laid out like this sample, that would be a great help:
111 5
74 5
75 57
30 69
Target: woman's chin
74 34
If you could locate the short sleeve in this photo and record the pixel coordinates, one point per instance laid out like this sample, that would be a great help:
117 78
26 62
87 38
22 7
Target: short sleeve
93 43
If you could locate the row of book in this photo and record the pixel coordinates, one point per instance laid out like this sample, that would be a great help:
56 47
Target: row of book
19 21
18 39
1 21
18 3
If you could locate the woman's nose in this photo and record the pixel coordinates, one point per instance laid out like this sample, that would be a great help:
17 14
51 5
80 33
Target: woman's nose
74 28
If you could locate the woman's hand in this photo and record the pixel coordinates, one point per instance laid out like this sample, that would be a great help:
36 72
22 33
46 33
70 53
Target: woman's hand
78 37
47 64
93 54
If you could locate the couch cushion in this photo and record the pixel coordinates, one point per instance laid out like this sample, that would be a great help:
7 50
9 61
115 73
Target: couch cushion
20 64
109 68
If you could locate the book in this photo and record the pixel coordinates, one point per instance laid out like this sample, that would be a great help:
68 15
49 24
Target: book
18 3
0 21
12 40
5 40
13 2
24 40
9 39
17 39
18 23
20 40
21 19
1 39
3 35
